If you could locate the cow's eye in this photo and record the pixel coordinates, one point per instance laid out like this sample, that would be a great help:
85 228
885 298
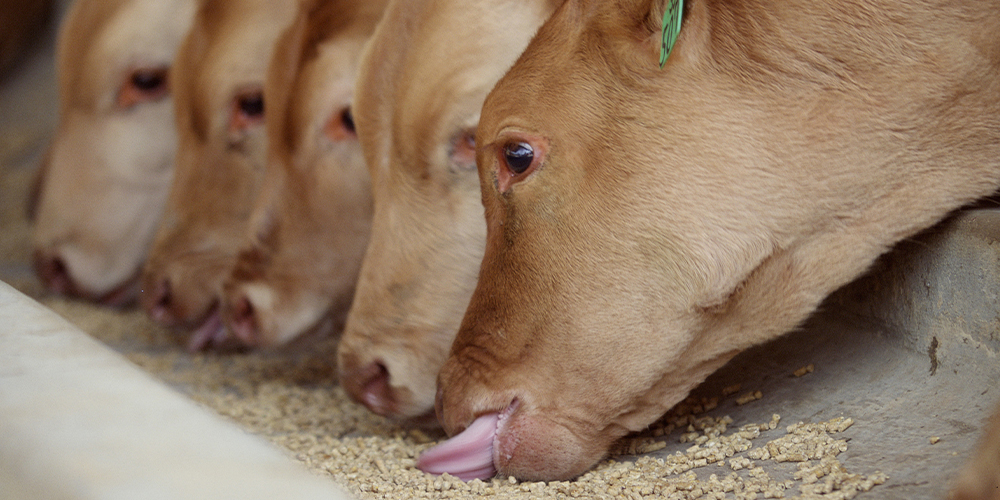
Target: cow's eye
347 119
143 85
340 126
149 80
247 111
251 105
518 156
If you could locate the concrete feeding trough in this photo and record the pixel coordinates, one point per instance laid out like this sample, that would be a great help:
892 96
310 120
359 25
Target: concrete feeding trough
79 421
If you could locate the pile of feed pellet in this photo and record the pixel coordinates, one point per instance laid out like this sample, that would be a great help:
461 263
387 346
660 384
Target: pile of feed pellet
291 399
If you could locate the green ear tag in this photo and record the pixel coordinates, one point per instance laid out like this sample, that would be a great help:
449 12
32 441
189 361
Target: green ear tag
671 28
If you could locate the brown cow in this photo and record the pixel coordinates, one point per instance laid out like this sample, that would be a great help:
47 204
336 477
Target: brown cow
980 479
427 70
218 81
103 184
311 221
644 225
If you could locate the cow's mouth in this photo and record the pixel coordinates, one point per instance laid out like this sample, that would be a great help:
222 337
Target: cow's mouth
123 295
470 454
210 333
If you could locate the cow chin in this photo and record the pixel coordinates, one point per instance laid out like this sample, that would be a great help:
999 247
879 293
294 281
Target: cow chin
564 436
543 433
535 447
559 417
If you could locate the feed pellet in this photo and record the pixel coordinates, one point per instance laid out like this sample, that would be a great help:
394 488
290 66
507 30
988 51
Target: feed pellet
292 400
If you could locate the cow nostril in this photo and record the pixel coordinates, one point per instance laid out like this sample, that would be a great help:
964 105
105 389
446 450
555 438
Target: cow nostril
243 320
375 392
53 272
159 306
439 403
165 296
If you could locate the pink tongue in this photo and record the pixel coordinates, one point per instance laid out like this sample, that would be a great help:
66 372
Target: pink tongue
211 331
467 456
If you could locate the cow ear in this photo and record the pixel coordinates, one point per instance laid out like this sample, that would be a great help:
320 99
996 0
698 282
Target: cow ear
652 14
676 26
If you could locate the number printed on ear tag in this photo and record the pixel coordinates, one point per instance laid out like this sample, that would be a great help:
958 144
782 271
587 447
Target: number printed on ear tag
671 28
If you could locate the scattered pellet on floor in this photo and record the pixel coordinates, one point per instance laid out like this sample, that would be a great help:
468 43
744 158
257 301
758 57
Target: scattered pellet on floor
732 389
804 370
292 399
748 397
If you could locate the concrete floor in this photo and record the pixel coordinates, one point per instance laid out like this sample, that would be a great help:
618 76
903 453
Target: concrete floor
909 352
